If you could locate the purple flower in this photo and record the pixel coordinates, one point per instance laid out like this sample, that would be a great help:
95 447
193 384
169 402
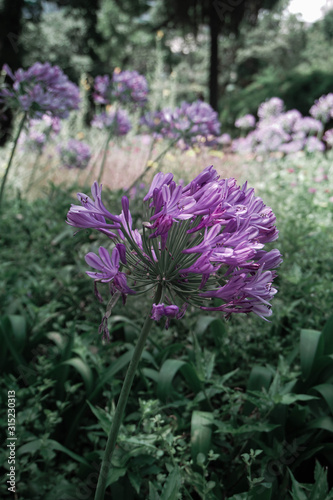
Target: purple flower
75 154
117 121
101 89
195 123
161 310
271 108
328 137
108 268
245 122
313 144
323 108
308 125
198 242
41 89
130 87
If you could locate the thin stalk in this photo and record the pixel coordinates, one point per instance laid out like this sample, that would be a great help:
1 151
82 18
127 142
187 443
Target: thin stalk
12 156
122 401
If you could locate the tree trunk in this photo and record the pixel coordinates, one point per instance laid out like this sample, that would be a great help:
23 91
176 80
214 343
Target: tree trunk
214 27
10 51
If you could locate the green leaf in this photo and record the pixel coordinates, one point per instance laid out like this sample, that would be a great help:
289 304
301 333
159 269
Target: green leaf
114 474
172 485
288 399
38 444
297 492
115 367
260 378
324 423
83 369
201 433
102 416
326 390
167 373
327 334
13 330
153 494
311 348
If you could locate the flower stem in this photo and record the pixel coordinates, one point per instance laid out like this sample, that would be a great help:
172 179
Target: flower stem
122 401
12 156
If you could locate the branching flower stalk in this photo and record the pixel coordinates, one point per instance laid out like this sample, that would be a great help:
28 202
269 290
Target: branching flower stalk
200 246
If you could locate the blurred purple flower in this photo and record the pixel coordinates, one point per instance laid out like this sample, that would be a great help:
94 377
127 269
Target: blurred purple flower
270 108
116 121
245 122
40 89
323 108
75 154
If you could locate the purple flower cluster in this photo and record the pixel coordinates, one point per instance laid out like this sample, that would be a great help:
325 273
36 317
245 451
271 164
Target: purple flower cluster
40 89
192 123
202 245
269 109
323 108
117 121
245 122
75 154
39 131
129 87
287 132
328 137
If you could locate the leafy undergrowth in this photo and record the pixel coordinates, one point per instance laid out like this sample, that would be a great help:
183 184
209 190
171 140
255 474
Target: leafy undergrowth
233 410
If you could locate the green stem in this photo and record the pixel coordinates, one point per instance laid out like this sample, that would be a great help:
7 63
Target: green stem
122 401
12 156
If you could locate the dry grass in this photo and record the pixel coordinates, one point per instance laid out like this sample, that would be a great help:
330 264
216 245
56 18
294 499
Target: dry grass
125 162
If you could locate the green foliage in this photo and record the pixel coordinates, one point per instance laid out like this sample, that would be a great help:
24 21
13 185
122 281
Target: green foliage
240 409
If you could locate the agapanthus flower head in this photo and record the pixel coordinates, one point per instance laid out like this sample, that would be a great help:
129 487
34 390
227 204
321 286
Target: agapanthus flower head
288 120
159 123
102 90
38 132
323 108
75 154
130 87
270 137
328 137
245 122
195 123
201 245
271 108
40 89
33 140
224 139
313 144
308 125
115 120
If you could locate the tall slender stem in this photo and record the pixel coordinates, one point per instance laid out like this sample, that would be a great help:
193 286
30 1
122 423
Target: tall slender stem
12 156
122 401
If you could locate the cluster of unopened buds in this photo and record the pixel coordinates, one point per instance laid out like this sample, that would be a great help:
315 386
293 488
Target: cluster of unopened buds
202 245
